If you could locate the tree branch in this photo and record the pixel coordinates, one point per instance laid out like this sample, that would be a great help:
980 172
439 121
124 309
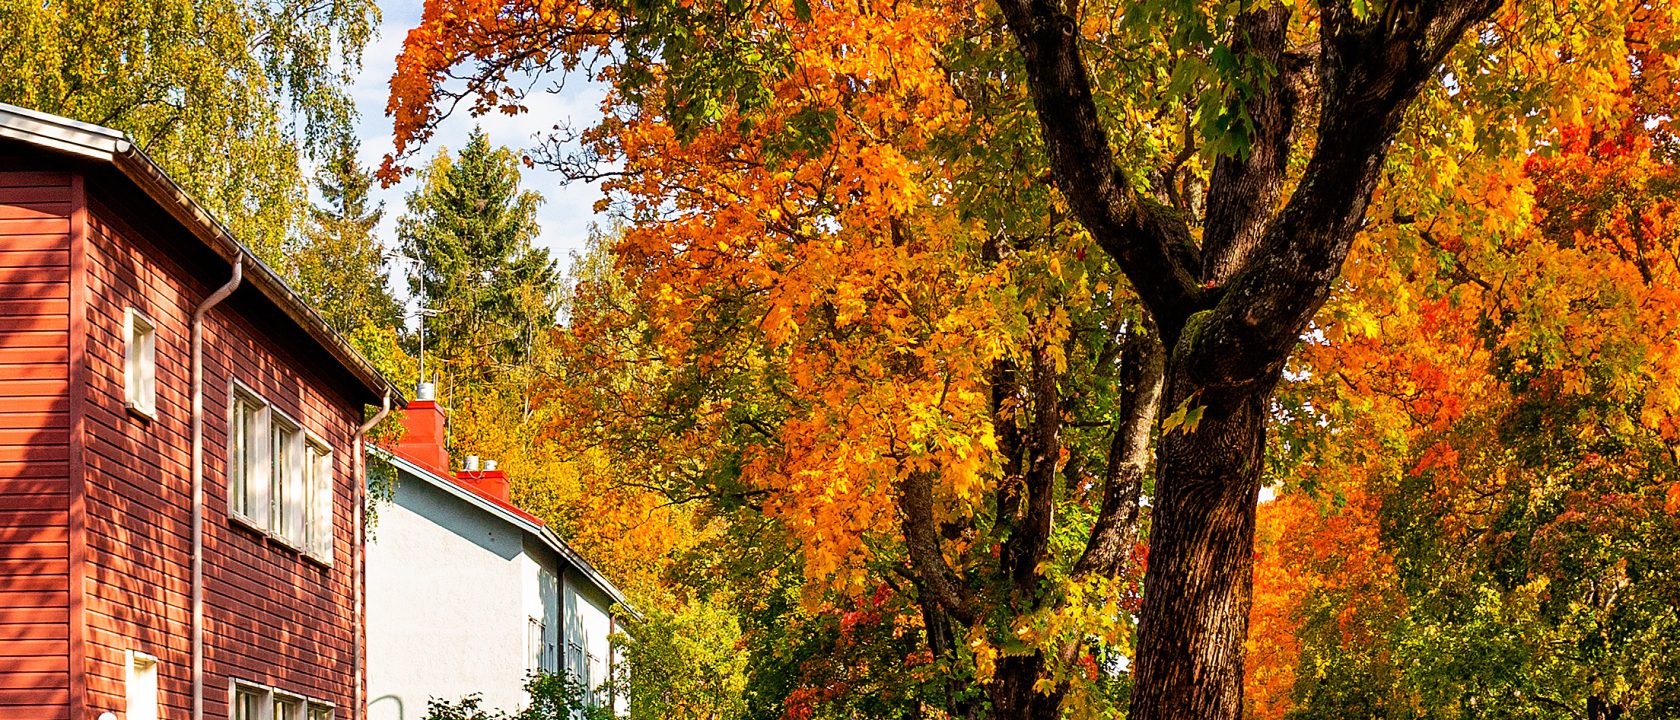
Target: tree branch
921 541
1243 191
1116 527
1025 547
1369 70
1150 241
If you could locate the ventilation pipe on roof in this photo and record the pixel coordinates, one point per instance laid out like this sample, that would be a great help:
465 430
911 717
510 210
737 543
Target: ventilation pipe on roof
489 466
471 464
199 312
359 560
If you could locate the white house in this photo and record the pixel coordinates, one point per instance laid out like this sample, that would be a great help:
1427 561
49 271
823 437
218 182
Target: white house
466 593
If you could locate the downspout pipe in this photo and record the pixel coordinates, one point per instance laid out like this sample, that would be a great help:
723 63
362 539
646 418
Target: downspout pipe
198 479
359 561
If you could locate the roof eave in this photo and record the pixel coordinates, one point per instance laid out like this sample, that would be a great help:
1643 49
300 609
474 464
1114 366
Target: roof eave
108 146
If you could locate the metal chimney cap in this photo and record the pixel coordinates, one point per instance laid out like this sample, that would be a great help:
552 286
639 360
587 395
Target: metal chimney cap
425 391
471 464
489 465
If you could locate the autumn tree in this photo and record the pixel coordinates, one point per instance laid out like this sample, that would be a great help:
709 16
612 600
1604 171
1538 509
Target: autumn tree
339 264
224 95
878 324
1480 512
338 261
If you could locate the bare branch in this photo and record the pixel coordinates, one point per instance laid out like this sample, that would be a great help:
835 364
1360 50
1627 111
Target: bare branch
1116 529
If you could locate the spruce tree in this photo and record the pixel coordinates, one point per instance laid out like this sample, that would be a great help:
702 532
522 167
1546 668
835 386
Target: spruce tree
469 230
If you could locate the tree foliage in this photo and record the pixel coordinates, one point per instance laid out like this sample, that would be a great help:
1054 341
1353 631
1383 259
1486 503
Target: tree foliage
224 95
937 292
488 292
339 264
1483 521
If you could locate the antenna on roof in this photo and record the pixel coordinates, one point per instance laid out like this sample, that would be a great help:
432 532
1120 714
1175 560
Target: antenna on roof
423 313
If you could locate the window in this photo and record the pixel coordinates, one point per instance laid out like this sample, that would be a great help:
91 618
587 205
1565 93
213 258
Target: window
142 687
259 702
248 702
318 499
287 708
247 479
577 660
286 481
139 363
540 649
279 476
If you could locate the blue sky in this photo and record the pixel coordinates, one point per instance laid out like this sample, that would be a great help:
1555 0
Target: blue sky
566 215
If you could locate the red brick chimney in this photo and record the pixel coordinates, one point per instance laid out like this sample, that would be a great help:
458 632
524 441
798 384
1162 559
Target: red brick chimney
422 443
424 433
487 480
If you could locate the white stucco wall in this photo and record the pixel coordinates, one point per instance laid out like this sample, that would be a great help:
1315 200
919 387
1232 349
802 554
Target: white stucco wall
589 627
540 577
450 592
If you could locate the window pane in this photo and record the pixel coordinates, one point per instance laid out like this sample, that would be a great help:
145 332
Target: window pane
246 705
245 454
319 502
148 370
288 709
139 360
280 491
238 430
142 688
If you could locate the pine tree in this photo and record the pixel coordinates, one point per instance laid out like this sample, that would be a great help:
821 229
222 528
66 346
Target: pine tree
468 229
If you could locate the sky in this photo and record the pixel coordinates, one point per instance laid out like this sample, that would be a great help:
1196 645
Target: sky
567 213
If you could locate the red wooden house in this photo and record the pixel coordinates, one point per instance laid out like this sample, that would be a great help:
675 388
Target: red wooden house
177 540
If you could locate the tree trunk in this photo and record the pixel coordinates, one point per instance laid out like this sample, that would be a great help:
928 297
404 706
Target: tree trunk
1600 709
1013 690
1189 661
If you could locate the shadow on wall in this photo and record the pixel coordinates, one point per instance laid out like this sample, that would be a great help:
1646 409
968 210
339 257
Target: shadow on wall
386 707
35 422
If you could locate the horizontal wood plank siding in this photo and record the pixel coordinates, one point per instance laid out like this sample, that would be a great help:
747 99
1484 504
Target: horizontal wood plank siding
35 424
272 615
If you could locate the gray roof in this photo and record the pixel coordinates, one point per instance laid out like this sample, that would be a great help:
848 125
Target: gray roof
534 528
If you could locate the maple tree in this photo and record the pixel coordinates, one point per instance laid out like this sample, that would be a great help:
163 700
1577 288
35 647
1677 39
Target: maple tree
889 284
1486 520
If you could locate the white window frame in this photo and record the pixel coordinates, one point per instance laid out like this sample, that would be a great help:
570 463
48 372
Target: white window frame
262 693
297 706
285 494
318 500
140 686
140 364
539 649
288 479
267 696
254 511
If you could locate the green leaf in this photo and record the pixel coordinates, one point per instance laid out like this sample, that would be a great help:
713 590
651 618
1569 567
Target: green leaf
1184 418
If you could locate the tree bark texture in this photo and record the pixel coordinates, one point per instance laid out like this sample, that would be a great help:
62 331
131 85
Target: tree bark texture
1194 621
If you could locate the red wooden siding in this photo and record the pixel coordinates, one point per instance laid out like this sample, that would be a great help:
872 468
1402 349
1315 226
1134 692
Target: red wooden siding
35 448
272 616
